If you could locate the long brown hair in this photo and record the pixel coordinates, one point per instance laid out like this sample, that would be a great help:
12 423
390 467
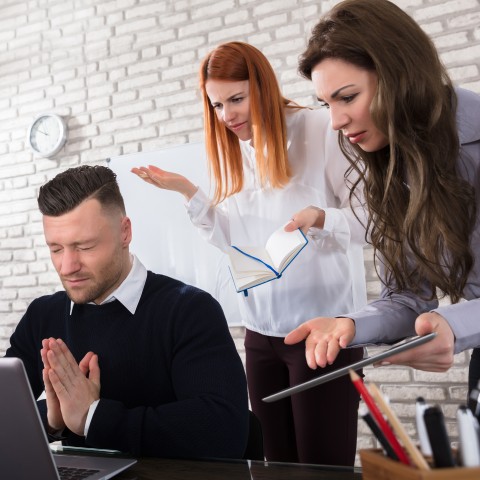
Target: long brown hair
237 61
417 201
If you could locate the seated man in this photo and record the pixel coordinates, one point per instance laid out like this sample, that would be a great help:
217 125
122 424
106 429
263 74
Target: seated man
127 359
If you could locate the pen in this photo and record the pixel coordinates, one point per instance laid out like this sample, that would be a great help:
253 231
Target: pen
415 454
67 448
468 432
377 415
377 432
437 434
473 400
420 407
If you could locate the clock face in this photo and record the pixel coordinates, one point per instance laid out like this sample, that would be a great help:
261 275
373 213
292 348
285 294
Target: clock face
47 134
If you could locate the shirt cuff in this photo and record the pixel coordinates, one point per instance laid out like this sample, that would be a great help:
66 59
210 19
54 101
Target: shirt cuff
462 318
198 205
330 220
90 413
196 200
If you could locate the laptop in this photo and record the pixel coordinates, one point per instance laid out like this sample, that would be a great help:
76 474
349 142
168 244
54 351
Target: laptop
24 450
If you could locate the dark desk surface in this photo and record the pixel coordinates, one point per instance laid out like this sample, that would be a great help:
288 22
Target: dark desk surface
164 469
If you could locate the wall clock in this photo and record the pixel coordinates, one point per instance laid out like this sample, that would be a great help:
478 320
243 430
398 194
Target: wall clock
47 134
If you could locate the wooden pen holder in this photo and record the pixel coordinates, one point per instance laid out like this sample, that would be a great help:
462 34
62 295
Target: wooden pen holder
376 466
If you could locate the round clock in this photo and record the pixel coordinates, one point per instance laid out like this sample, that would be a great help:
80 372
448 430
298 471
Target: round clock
47 134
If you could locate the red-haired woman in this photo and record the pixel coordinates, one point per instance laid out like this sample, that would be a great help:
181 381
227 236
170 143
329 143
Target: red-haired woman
270 158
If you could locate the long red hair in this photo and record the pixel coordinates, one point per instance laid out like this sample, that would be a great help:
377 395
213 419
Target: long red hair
237 61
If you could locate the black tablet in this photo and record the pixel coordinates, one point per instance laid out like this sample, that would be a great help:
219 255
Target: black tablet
399 347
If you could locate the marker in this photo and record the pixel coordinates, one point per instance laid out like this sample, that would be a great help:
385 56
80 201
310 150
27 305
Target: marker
415 454
377 415
437 434
469 441
377 432
420 407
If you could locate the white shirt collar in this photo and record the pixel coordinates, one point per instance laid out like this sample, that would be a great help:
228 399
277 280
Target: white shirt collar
130 290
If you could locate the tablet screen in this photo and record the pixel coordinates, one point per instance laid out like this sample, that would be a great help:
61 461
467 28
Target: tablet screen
399 347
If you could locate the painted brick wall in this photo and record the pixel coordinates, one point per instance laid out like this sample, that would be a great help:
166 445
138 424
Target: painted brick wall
124 75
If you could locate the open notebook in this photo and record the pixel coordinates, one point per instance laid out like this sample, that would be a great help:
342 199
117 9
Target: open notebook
24 450
252 266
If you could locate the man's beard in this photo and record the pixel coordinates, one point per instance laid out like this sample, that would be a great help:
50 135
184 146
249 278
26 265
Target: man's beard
82 296
97 285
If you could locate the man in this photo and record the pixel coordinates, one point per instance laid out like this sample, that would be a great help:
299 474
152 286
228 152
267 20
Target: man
127 359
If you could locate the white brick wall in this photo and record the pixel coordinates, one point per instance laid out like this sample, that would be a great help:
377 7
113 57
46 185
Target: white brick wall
124 74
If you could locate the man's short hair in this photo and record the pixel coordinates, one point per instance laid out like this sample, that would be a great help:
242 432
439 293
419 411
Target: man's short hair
70 188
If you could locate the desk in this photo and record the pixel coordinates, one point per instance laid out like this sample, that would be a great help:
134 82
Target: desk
165 469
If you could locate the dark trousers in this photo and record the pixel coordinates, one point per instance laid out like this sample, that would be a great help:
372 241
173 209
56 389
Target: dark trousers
474 370
318 425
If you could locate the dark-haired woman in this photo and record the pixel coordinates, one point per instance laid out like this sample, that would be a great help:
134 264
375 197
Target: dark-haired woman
414 141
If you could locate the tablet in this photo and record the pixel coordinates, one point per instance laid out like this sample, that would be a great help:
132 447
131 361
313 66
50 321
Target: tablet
399 347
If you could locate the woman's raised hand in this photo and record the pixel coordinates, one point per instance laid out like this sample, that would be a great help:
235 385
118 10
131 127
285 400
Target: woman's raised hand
166 180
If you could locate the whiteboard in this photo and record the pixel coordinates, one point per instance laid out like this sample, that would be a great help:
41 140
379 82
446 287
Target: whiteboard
164 239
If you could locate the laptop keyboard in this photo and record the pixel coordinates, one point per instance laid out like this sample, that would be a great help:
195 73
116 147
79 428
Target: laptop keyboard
70 473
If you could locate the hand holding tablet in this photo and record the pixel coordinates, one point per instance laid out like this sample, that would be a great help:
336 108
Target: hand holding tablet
401 347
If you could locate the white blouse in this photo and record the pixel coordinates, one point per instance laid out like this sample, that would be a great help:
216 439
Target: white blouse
327 278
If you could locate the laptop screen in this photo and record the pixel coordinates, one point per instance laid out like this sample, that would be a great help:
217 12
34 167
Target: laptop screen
24 448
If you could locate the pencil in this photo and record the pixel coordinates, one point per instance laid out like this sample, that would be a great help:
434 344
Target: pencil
377 415
415 454
377 432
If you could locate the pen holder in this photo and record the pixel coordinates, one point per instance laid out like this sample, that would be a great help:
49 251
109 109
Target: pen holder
376 466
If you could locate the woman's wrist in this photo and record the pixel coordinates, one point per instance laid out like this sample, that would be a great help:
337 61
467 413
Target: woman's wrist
189 190
320 220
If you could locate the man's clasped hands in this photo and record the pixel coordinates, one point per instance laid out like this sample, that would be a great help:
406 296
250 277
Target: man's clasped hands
70 387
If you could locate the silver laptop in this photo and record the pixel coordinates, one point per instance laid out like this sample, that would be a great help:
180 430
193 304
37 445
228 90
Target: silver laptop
24 450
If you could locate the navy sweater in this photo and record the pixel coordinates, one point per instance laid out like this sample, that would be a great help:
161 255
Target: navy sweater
172 382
